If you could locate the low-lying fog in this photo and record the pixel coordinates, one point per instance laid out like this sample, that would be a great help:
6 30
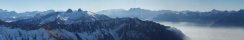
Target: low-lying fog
208 33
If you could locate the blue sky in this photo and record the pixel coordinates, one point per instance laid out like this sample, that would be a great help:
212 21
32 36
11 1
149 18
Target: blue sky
97 5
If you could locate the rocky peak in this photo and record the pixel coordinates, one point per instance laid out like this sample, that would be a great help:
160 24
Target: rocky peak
79 10
69 11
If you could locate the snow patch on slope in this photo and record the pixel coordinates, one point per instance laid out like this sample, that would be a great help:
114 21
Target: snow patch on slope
19 34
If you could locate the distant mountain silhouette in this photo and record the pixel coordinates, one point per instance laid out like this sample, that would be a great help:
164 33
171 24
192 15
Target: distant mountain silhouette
212 18
10 16
133 12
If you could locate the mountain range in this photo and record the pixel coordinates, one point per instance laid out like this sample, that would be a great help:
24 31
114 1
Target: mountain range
80 25
214 18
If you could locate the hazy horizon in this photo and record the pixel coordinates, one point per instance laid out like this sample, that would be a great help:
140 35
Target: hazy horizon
98 5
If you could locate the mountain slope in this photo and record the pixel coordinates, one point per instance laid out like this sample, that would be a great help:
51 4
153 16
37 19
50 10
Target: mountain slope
112 29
